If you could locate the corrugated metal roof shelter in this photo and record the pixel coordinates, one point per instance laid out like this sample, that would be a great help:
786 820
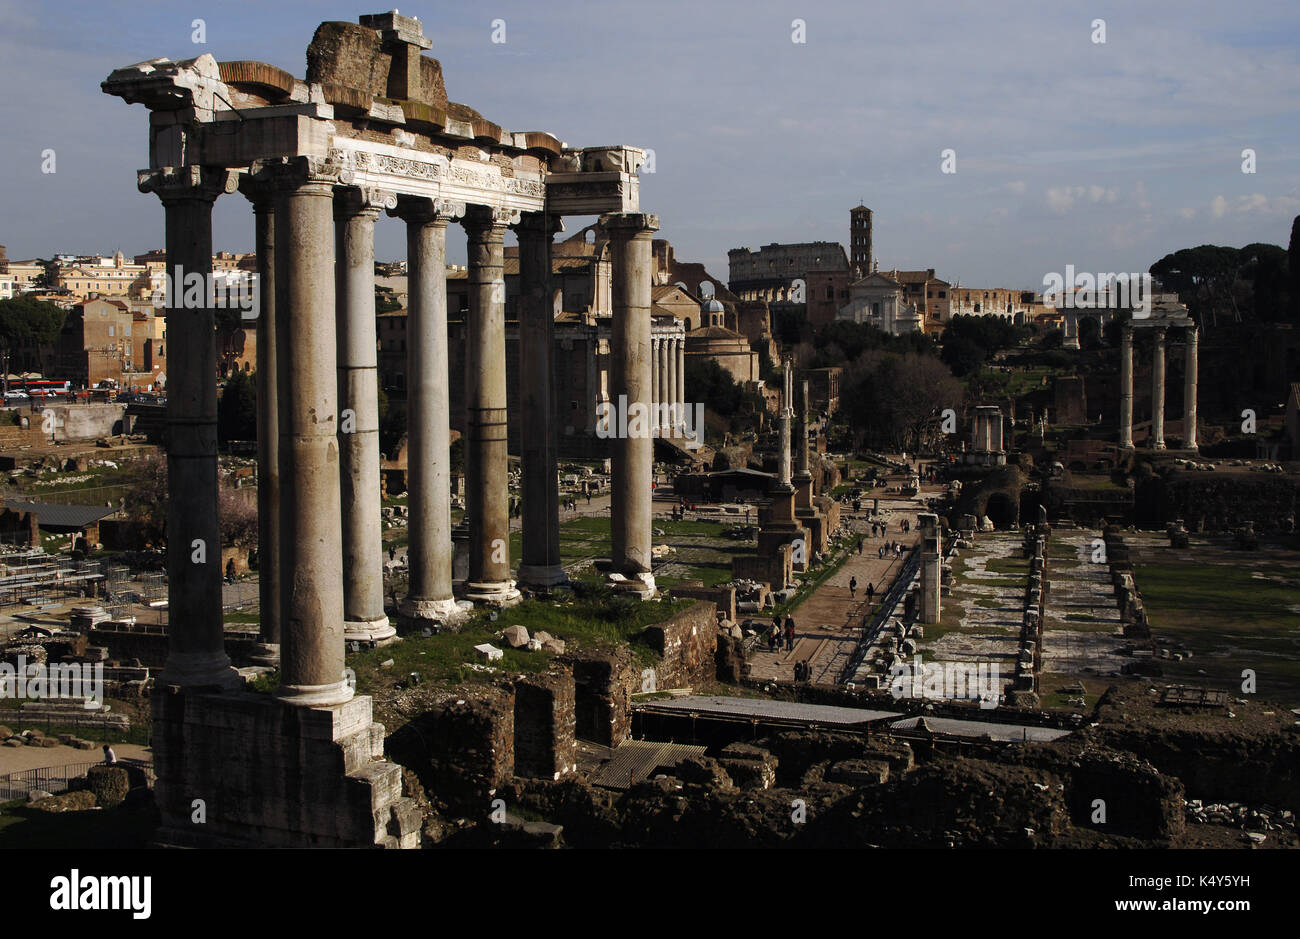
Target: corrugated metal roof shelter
634 760
770 711
951 727
52 516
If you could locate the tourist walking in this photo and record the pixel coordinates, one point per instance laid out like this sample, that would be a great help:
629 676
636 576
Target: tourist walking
789 635
871 591
853 587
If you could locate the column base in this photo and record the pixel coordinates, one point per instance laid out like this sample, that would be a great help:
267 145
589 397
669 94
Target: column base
373 632
310 696
642 585
200 670
542 575
415 613
266 654
494 593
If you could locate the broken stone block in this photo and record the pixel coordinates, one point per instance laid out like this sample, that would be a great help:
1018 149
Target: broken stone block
489 652
555 646
542 636
515 636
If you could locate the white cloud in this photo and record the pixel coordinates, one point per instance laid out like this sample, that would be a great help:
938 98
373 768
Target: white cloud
1063 198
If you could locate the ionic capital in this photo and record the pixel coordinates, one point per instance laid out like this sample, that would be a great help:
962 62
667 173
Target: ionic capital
485 222
538 225
309 174
629 224
350 201
176 184
419 210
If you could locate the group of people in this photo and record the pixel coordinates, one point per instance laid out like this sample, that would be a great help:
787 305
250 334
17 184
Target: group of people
781 634
892 548
802 671
571 505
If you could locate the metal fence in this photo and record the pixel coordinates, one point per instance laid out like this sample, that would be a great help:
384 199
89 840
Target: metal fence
56 779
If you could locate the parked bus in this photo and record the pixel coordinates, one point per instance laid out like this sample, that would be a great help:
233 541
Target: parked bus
41 387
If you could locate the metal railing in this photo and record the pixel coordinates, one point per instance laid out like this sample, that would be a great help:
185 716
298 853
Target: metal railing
56 779
888 604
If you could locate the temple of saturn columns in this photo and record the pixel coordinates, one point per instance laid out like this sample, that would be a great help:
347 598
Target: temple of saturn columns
370 129
1158 326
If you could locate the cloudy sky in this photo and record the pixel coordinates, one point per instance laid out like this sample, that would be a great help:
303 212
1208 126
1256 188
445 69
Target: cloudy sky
1104 156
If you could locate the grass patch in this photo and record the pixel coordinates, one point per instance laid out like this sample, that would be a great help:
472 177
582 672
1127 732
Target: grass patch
600 621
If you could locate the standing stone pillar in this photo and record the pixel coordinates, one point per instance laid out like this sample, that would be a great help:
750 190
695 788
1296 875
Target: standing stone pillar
681 386
931 567
1158 390
630 387
429 600
355 212
673 415
487 467
665 389
539 564
196 647
261 193
787 412
803 480
1189 391
311 647
1126 387
679 392
656 381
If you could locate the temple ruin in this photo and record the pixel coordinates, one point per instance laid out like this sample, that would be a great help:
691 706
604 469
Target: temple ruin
369 129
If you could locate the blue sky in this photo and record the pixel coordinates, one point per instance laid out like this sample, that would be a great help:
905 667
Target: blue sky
1067 152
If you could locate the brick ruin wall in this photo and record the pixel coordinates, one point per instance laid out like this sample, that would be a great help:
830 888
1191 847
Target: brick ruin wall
687 643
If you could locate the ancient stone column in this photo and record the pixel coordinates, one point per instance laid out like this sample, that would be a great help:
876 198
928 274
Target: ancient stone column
787 413
429 600
261 193
801 464
311 646
1158 390
656 382
803 481
355 212
1126 387
487 481
931 567
665 389
1189 390
680 392
630 388
196 647
672 416
539 564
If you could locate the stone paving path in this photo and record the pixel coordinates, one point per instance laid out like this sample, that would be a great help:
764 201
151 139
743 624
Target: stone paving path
1082 623
17 759
828 623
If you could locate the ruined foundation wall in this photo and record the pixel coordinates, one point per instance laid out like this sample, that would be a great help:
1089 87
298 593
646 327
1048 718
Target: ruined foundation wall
461 747
688 644
271 775
544 743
